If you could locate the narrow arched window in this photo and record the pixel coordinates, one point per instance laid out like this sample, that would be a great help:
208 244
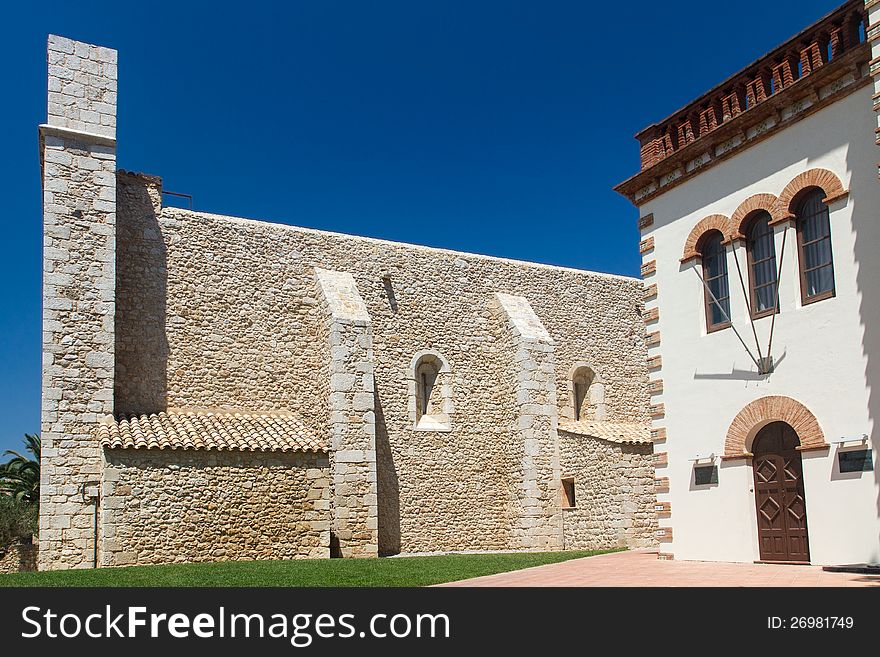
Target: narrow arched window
426 375
583 379
716 293
588 394
761 247
814 248
430 392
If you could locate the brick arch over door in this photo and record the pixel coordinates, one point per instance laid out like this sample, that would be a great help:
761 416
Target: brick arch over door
713 222
824 179
743 212
761 412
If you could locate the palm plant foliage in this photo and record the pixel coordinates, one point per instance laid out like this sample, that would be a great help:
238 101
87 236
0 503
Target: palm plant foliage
20 475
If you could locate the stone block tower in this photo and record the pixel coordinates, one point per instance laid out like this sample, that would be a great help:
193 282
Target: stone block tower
78 159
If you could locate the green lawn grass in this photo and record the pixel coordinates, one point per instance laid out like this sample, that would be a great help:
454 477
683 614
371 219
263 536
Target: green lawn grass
402 571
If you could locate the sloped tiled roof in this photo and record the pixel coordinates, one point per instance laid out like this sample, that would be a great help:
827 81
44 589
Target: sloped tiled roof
625 433
209 430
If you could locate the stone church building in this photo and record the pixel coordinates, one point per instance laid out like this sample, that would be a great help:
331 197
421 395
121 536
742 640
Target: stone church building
223 388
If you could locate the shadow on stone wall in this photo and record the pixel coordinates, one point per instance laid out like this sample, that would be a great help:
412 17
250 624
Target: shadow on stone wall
388 486
141 287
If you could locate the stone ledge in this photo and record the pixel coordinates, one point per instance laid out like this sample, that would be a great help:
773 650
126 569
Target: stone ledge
80 135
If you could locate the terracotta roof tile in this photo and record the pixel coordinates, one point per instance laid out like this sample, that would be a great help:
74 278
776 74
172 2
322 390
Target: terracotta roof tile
209 430
626 433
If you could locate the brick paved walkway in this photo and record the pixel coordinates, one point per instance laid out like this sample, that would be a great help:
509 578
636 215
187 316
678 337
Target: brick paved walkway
642 568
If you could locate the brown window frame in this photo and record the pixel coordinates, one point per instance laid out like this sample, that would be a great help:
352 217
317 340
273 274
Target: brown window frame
707 299
802 271
753 312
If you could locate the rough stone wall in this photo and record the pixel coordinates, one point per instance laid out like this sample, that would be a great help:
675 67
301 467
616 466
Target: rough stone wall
242 331
78 156
352 427
19 558
184 506
140 312
614 494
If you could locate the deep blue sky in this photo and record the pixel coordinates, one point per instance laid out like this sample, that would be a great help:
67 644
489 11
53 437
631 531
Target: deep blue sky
493 127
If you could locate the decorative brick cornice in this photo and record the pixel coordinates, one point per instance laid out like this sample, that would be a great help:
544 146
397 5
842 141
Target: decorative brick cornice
742 215
786 85
757 414
824 179
694 242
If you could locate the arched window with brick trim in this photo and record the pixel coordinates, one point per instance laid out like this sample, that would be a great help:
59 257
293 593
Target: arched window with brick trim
716 292
814 247
761 249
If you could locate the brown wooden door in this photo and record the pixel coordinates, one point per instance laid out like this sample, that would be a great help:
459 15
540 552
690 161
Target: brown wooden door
779 495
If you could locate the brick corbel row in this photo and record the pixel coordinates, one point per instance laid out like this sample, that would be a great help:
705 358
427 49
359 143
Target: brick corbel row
758 83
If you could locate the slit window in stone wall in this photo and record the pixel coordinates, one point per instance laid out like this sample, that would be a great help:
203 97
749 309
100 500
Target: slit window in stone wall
430 392
587 394
426 375
568 498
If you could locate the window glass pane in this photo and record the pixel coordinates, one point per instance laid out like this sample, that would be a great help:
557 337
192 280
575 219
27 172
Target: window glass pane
765 297
719 290
764 273
819 281
815 245
713 266
715 276
719 317
762 253
810 229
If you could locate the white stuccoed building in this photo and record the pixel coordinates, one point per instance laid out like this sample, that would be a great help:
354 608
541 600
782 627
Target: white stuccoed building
766 451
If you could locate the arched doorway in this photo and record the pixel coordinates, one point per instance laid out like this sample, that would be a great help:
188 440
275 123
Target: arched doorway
779 494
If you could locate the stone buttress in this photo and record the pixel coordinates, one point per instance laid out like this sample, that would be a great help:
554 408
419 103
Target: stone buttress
535 476
78 158
347 331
